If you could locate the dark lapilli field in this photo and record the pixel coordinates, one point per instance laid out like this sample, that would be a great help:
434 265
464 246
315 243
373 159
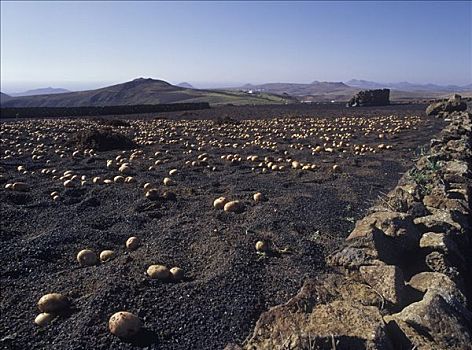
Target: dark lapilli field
228 285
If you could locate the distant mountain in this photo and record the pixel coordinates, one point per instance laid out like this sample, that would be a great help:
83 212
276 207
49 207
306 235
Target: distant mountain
468 87
365 84
185 85
40 91
295 89
408 87
142 91
4 97
152 91
340 92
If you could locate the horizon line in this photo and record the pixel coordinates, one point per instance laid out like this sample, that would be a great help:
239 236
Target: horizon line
215 84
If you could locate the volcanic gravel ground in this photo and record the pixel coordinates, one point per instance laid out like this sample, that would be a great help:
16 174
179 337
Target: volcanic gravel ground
228 285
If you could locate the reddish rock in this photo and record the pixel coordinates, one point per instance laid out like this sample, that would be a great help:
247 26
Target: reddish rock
387 280
433 323
441 284
392 224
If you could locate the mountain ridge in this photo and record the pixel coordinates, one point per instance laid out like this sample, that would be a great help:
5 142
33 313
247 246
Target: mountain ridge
40 91
186 85
407 86
140 91
154 91
4 97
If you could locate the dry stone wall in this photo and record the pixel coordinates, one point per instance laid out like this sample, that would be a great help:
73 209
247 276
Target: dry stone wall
454 103
403 279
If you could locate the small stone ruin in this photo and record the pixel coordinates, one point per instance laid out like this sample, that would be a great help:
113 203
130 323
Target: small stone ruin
380 97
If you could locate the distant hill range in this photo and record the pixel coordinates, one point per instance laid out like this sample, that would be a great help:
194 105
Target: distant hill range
151 91
41 91
185 85
143 91
408 87
4 97
339 91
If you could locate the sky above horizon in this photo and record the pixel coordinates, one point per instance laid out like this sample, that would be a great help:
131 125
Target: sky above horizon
81 45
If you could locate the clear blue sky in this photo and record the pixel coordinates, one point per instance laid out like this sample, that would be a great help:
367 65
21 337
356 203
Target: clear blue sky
88 44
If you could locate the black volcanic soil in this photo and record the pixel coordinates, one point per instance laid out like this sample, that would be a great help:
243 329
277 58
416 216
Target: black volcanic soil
228 285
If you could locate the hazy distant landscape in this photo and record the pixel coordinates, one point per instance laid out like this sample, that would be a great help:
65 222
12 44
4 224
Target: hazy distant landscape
40 91
151 91
142 91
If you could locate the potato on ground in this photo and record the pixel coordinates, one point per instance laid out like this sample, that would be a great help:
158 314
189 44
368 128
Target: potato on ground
220 202
43 319
177 273
133 243
258 197
262 246
107 255
233 206
124 324
53 303
159 272
152 194
87 257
